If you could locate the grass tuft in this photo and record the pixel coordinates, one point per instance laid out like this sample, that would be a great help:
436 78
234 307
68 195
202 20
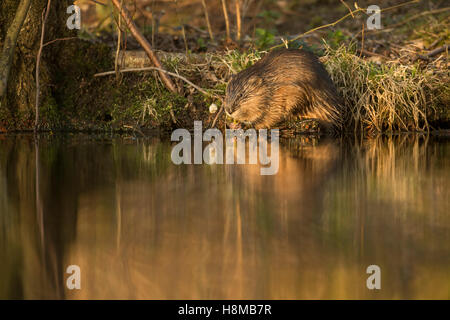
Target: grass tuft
386 97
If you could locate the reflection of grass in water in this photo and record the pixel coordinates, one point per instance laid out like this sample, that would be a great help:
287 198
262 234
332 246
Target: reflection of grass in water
388 207
398 166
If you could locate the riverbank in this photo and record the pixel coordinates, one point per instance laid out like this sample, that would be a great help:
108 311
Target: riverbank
387 87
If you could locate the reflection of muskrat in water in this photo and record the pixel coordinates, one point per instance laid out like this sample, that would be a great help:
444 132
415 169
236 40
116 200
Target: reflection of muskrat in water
284 83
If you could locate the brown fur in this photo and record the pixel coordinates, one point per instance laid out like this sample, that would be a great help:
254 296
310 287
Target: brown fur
284 83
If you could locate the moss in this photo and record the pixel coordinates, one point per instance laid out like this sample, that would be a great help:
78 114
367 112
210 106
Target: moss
49 113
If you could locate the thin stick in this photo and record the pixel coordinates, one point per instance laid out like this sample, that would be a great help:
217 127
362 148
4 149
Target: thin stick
435 42
432 53
351 13
362 41
146 46
153 23
119 42
238 19
227 20
349 9
107 73
438 50
59 39
371 54
211 35
38 62
418 16
217 117
10 43
39 207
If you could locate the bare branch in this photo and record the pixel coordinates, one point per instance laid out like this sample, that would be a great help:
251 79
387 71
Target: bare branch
238 19
350 14
145 45
38 62
211 35
107 73
227 20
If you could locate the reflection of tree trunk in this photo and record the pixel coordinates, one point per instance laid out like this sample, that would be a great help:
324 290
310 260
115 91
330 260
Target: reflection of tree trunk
20 95
48 254
39 210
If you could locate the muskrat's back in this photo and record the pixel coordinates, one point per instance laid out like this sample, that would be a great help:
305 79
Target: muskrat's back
285 82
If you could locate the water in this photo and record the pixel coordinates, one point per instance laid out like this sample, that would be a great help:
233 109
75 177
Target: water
141 227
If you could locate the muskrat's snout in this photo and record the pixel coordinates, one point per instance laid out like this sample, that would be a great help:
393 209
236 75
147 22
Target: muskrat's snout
228 108
229 103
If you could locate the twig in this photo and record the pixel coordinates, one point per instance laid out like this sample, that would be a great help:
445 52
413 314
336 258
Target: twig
107 73
351 13
59 39
45 13
217 116
238 19
418 16
227 20
145 45
438 50
362 41
119 43
432 53
172 114
211 35
318 28
189 26
435 42
10 44
349 9
371 54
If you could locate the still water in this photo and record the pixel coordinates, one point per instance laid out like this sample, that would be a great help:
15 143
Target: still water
140 227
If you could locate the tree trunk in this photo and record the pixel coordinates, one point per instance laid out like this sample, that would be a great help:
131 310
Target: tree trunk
17 106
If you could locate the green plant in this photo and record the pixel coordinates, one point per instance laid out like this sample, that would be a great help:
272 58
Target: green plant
264 38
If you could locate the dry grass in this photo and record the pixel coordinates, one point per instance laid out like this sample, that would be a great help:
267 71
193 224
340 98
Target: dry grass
388 97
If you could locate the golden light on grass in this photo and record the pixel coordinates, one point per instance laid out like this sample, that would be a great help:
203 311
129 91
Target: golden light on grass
386 97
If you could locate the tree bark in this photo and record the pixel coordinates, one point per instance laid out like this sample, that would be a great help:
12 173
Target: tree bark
10 44
17 104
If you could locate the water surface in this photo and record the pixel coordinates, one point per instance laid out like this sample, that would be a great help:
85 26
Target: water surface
141 227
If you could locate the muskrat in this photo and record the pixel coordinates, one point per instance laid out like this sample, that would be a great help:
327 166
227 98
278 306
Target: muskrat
284 83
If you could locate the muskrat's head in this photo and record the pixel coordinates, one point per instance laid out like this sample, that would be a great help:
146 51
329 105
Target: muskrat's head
245 96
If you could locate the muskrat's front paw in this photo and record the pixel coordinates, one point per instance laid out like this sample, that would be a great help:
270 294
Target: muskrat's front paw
234 125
